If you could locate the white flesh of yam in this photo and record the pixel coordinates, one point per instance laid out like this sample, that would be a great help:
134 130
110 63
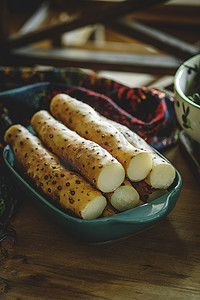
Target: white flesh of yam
163 173
66 188
92 161
124 197
87 123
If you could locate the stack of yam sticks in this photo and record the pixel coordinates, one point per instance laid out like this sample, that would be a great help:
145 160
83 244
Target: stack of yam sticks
85 163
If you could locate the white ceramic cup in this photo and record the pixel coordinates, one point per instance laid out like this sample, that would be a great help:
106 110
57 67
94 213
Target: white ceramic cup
186 83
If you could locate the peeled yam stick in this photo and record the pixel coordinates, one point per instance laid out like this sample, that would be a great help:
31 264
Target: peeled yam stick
163 173
146 192
96 164
124 197
109 210
86 122
68 189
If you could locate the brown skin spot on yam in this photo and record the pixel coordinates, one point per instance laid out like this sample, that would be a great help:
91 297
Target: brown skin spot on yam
71 200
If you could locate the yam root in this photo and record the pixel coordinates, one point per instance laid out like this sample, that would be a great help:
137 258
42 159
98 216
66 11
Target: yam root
124 197
109 211
92 161
163 173
146 192
66 188
87 123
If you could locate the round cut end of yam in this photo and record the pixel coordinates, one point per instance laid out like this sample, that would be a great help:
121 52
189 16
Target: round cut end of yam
94 208
139 166
111 177
162 176
124 198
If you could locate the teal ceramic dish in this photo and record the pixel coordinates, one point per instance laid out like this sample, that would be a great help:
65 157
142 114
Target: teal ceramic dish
102 229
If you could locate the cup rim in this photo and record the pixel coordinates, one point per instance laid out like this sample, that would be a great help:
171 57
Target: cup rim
176 82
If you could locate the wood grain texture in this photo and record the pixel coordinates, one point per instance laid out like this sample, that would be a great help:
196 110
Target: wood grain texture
161 263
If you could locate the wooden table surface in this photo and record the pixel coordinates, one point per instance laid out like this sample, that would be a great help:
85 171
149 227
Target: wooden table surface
160 263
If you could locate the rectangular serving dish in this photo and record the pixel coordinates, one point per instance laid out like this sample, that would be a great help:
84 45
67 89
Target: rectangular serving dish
26 101
102 229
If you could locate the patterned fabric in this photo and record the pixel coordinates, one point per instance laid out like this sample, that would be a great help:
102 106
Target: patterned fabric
23 91
149 112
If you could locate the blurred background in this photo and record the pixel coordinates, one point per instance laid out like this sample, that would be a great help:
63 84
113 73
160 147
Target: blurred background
138 43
